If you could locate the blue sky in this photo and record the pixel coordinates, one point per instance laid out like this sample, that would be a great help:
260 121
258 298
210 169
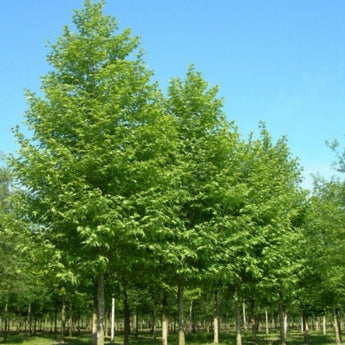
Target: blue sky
281 62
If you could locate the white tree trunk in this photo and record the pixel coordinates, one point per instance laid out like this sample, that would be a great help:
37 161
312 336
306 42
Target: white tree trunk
112 322
324 325
181 334
337 327
94 324
285 324
216 319
190 325
244 316
101 310
165 322
238 321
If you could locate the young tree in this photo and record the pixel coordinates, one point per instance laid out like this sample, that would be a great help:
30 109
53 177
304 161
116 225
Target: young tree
98 136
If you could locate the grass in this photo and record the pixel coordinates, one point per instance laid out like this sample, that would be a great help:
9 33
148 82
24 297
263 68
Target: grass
200 338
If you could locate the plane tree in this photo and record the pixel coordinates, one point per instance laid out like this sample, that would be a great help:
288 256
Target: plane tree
326 233
94 152
274 203
255 236
204 144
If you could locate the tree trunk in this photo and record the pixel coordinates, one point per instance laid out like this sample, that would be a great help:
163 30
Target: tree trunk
6 322
181 334
337 326
101 310
304 327
126 317
136 322
238 320
94 322
266 320
191 321
165 320
55 318
112 323
70 321
30 320
253 319
283 321
244 314
324 325
216 318
154 333
63 319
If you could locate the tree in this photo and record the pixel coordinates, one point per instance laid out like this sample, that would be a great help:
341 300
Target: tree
204 143
98 136
255 232
326 234
16 270
274 203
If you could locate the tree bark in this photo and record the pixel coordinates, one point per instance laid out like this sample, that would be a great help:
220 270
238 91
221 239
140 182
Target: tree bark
324 325
266 320
283 321
63 319
253 319
165 320
190 321
94 321
216 318
337 326
244 315
70 321
238 320
127 315
101 310
55 318
6 322
304 327
181 334
112 322
30 320
154 333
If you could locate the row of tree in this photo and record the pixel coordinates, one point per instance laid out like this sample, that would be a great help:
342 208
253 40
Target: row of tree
119 187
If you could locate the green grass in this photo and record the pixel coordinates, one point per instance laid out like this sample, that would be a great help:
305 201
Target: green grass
200 338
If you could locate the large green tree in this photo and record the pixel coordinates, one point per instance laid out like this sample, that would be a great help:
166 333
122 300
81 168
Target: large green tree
204 144
90 168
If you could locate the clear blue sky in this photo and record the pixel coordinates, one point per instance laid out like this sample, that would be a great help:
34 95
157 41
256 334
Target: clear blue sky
282 62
